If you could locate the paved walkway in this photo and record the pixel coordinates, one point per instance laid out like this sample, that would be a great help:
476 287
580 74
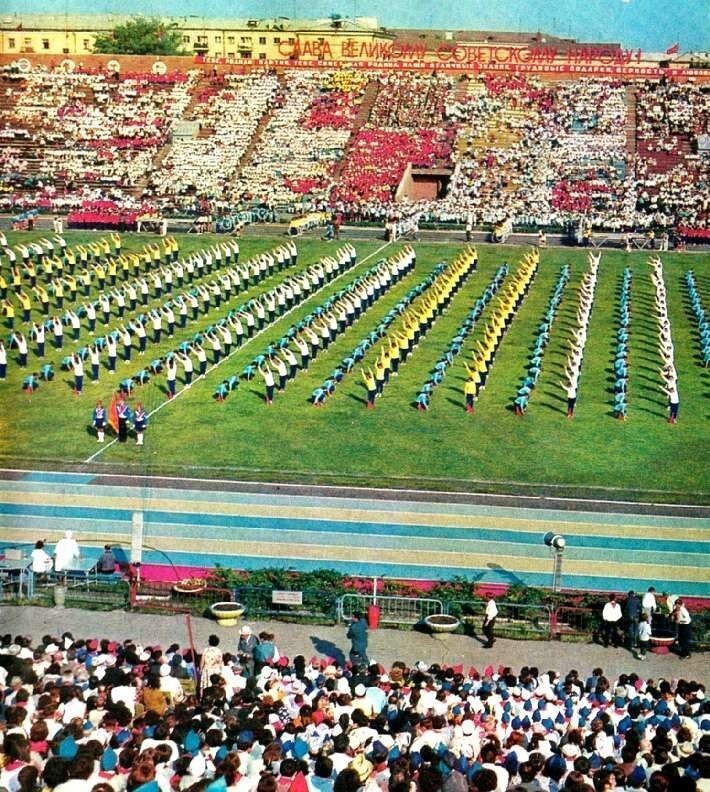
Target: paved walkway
385 645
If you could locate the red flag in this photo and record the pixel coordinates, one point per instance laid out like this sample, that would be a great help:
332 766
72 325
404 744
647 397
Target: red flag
674 49
113 413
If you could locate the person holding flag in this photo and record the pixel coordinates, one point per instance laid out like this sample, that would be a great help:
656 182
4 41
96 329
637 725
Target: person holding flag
123 412
99 420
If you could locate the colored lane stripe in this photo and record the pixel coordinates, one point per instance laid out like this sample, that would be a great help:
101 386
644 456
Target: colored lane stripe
433 561
408 539
690 530
387 539
381 509
59 478
338 526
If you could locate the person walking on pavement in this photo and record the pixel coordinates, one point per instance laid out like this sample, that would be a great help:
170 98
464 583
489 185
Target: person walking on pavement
357 633
633 612
643 636
682 619
489 620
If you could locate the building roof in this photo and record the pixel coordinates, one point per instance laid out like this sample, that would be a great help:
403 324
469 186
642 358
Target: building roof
432 39
102 22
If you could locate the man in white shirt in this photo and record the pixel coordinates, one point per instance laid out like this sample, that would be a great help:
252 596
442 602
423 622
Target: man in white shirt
611 618
682 619
648 603
489 622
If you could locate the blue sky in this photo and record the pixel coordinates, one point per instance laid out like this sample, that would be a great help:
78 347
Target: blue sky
651 25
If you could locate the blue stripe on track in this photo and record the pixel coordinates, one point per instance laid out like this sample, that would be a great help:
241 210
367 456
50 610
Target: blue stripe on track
59 478
336 527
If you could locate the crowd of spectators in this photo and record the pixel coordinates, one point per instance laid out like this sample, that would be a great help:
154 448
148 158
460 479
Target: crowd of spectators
82 714
621 154
304 138
670 171
91 128
228 117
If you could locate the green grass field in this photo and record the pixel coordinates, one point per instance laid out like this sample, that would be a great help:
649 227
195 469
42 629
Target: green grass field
643 458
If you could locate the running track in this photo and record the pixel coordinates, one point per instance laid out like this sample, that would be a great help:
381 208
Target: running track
192 524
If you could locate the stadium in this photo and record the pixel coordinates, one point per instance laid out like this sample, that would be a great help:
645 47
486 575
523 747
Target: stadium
307 318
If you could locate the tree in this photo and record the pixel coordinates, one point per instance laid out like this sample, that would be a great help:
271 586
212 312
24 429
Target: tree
140 36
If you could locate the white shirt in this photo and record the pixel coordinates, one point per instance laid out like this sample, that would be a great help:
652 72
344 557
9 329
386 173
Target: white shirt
648 601
41 560
64 553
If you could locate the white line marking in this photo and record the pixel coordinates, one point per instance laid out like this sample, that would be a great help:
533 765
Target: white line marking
240 348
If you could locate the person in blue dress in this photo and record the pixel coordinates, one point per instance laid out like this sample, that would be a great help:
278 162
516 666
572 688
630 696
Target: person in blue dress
99 421
140 422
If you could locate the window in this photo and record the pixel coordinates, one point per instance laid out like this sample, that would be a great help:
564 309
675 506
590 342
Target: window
262 56
45 44
262 39
27 41
11 43
277 39
87 45
292 40
230 39
202 39
230 54
185 39
245 53
218 39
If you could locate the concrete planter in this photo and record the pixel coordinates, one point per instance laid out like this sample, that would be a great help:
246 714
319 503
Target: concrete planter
60 595
227 614
441 623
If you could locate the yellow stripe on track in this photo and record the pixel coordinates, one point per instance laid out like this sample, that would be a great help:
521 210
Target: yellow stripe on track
337 514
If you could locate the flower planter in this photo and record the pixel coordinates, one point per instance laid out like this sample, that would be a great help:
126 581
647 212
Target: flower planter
661 644
190 586
441 623
227 614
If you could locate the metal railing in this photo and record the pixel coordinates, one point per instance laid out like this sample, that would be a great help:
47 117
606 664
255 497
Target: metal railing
393 610
162 597
514 620
316 604
574 623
